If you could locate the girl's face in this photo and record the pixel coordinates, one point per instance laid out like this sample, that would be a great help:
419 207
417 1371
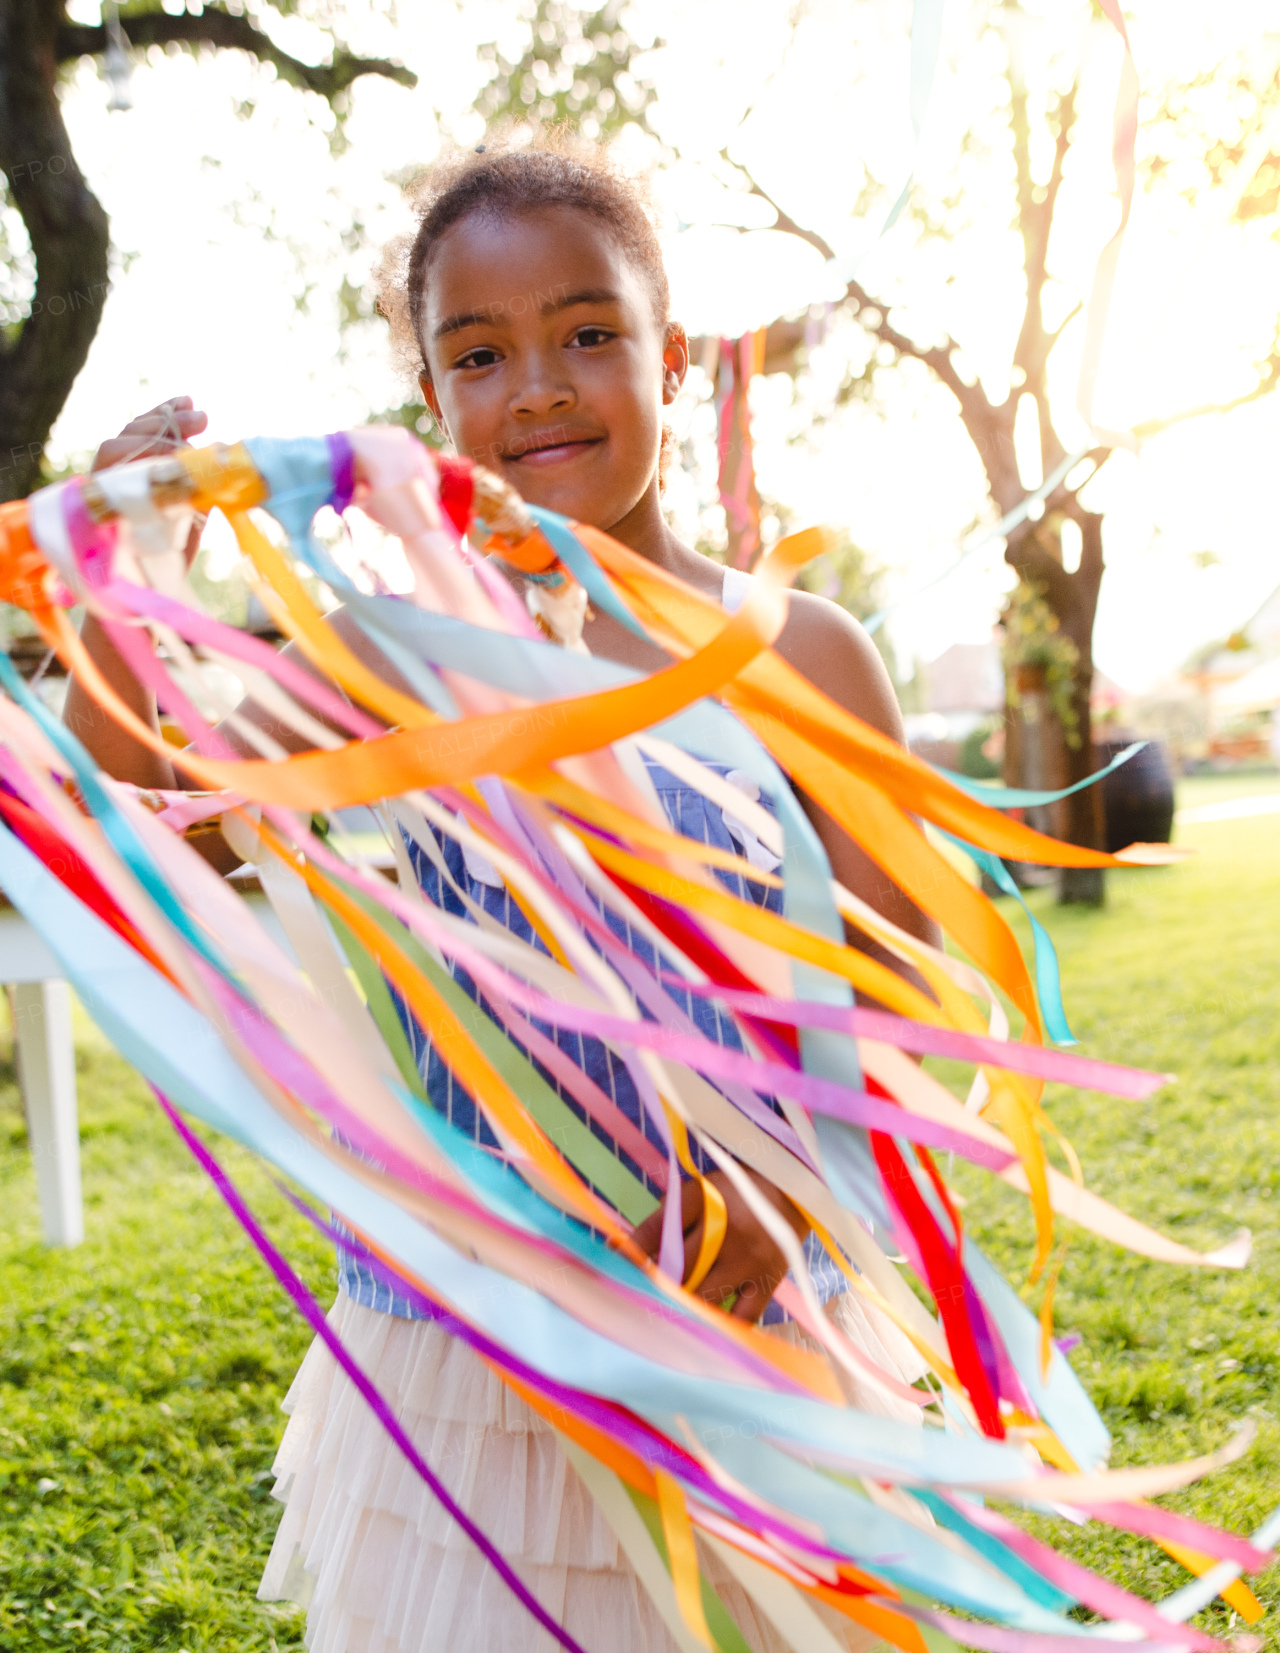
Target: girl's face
546 362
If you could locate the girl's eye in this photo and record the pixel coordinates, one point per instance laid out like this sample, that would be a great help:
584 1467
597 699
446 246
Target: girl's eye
588 337
484 355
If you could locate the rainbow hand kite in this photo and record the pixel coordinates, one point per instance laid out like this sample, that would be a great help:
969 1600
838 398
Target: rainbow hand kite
502 732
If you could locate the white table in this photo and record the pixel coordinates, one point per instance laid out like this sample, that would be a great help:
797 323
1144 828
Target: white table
46 1062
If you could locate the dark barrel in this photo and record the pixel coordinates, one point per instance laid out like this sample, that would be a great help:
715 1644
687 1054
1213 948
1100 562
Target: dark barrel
1138 797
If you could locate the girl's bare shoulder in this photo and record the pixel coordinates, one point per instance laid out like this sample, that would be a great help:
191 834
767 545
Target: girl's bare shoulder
836 654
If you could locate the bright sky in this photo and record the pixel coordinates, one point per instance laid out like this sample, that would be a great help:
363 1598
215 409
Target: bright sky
228 228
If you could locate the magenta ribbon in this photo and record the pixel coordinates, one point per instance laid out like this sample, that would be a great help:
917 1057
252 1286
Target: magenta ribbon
1154 1521
239 645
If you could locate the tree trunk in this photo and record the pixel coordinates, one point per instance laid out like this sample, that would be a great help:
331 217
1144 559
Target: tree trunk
1040 752
69 241
1035 757
1085 823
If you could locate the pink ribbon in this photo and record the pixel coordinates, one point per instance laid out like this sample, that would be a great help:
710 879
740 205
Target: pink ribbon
1096 1592
923 1040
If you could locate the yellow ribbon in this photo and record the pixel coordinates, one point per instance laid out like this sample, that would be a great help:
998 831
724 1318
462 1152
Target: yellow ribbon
715 1224
677 1529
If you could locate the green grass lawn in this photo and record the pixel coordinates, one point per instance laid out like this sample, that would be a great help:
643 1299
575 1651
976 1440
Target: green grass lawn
140 1375
1208 788
1180 972
140 1382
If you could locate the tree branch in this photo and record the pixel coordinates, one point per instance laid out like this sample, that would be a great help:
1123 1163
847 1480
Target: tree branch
218 28
1035 222
937 357
1060 329
1067 499
990 428
786 223
1265 386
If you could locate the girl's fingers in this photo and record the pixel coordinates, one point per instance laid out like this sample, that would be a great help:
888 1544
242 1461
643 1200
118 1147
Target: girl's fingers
192 546
114 452
176 414
158 425
174 404
165 427
749 1275
648 1234
753 1298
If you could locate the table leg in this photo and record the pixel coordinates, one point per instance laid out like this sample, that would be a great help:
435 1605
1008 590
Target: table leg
47 1076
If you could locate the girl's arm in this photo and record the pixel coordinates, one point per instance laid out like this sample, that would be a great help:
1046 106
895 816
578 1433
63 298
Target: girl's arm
164 428
833 651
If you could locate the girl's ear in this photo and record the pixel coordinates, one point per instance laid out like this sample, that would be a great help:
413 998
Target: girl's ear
675 362
430 398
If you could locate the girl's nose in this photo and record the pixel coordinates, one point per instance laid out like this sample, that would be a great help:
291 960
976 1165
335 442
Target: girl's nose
542 392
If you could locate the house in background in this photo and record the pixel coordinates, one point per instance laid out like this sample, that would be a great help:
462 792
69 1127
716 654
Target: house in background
1237 682
962 690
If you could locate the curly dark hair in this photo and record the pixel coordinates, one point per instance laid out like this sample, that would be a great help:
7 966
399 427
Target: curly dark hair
513 175
556 170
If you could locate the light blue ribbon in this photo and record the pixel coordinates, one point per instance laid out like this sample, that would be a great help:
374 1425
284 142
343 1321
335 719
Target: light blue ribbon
1060 1398
926 37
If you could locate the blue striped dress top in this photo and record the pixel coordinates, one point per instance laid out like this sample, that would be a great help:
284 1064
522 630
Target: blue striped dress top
692 815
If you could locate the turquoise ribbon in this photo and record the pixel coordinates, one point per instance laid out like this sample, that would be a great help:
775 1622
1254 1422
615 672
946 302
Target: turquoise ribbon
1017 797
1048 980
584 568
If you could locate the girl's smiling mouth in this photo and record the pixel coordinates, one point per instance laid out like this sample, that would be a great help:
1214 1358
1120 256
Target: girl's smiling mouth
549 448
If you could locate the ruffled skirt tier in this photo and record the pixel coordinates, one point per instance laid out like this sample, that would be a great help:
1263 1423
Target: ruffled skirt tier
381 1568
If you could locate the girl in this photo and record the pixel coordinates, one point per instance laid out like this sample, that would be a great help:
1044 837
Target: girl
533 306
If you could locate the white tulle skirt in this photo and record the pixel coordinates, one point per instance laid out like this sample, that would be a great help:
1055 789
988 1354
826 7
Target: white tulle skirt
369 1552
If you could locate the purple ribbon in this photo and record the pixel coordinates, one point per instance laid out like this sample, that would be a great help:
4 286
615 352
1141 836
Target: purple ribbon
342 464
311 1311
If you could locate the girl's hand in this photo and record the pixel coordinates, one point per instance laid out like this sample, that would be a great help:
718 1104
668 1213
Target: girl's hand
170 425
749 1264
